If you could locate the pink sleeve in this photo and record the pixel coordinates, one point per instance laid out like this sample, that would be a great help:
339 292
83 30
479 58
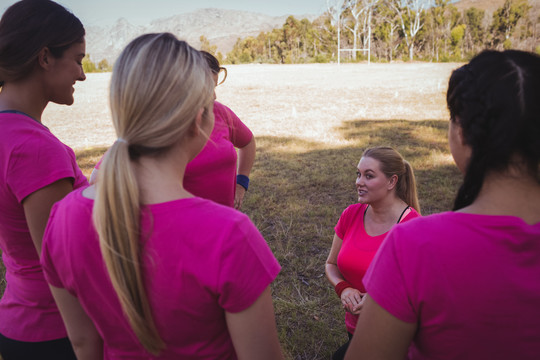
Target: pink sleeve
247 268
344 221
240 135
385 281
36 164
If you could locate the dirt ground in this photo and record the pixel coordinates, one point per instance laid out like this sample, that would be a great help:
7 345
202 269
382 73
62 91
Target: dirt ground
306 101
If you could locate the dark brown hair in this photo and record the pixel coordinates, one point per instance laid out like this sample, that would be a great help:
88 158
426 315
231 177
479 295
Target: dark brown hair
27 27
214 65
495 99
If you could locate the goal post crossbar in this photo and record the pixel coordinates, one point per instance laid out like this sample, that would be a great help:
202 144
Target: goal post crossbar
368 50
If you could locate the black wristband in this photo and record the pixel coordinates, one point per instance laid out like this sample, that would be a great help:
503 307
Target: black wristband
243 181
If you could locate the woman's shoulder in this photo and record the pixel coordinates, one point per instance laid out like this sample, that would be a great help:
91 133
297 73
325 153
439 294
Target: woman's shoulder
224 113
456 226
354 209
199 208
435 221
21 128
219 107
408 214
73 203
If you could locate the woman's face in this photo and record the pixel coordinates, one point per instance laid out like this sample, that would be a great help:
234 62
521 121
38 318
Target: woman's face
461 152
371 183
64 72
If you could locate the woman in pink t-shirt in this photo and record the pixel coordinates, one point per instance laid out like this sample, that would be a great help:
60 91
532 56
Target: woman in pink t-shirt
212 174
387 196
466 284
41 49
139 267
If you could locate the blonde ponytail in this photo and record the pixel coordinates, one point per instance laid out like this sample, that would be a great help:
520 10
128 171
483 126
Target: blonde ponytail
116 215
158 86
408 189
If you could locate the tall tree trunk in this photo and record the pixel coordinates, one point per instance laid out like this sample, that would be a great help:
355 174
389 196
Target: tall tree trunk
391 40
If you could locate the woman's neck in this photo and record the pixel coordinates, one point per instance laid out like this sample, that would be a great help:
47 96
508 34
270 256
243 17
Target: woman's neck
382 215
161 178
23 96
508 194
385 211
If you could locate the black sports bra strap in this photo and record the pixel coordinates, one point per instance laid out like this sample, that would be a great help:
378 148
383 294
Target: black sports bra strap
400 216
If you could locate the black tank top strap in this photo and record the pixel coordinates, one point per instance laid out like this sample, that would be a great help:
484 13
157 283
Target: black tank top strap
403 213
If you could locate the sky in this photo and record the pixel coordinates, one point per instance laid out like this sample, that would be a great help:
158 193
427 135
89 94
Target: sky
141 12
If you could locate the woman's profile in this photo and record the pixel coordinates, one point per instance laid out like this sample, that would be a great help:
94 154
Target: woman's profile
41 49
386 189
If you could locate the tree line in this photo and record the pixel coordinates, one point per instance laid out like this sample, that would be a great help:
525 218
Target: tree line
90 67
386 30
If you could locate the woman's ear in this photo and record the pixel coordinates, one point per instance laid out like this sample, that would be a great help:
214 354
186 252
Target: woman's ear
392 182
45 58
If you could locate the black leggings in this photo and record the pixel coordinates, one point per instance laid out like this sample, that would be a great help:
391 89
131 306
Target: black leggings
60 349
340 353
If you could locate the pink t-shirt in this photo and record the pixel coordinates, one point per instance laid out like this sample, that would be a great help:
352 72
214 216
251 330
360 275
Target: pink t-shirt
31 157
201 260
358 249
212 174
471 282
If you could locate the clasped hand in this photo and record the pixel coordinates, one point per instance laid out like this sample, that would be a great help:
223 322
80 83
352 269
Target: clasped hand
352 300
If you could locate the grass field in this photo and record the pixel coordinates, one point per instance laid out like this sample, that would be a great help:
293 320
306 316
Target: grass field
311 124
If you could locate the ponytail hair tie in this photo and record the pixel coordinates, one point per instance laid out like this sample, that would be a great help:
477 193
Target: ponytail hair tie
121 140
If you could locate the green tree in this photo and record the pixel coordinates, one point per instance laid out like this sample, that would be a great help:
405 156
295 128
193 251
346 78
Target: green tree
104 66
457 34
440 19
475 31
505 20
88 65
385 33
411 15
205 45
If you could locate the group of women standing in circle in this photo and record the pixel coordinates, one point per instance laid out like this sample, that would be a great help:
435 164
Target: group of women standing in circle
137 270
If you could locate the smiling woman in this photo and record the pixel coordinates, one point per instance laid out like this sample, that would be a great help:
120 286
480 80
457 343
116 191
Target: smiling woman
64 71
387 196
41 49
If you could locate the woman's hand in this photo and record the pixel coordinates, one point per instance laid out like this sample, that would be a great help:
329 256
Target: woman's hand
246 158
352 300
239 196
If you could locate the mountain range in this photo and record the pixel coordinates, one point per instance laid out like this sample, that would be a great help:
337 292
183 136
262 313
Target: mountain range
221 27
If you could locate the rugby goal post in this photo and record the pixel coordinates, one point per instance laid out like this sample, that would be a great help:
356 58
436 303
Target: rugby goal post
368 50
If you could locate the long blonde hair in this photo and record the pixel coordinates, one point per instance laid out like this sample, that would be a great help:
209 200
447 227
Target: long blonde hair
392 163
159 84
